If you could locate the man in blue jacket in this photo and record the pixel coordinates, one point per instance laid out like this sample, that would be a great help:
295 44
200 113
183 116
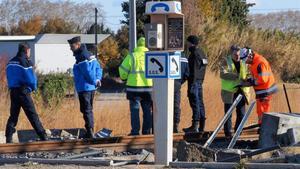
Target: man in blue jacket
21 82
177 91
87 77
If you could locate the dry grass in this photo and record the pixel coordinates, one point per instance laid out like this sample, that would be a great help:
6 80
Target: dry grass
280 48
115 114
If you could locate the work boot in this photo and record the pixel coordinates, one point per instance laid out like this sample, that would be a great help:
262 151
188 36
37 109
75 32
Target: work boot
146 132
175 128
9 139
193 129
202 125
133 134
43 137
89 133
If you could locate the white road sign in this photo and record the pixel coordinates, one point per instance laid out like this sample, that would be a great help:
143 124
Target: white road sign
174 65
156 65
163 65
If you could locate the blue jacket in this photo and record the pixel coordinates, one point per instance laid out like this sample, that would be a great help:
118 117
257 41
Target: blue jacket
87 70
184 70
20 73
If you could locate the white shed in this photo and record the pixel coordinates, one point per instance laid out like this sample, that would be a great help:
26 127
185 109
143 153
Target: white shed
49 52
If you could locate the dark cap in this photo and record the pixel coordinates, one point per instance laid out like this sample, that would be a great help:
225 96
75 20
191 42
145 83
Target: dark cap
235 48
193 40
23 47
74 40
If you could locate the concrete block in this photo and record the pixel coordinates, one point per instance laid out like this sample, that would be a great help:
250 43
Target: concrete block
293 136
275 127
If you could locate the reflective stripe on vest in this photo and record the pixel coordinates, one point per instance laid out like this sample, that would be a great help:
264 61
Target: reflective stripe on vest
129 89
125 69
266 92
265 74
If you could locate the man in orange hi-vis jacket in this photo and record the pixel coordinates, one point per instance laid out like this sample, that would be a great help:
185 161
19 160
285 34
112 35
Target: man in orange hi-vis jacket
262 80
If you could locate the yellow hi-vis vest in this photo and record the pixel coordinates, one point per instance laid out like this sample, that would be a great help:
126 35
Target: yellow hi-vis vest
132 69
229 85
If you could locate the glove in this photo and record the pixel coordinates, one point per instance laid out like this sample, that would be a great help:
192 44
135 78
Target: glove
98 83
251 81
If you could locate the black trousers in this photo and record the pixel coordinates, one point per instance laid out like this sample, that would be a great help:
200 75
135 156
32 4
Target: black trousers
22 99
86 107
240 113
177 97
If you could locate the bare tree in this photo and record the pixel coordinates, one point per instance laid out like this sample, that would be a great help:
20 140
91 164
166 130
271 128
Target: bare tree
80 14
288 21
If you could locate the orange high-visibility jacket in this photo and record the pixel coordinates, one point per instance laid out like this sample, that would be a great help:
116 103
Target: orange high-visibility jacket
263 77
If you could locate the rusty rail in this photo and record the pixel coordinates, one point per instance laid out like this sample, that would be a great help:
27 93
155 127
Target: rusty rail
122 143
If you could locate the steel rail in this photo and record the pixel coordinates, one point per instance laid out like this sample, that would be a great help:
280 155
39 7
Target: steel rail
122 143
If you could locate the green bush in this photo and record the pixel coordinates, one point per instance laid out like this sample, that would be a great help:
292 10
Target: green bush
54 87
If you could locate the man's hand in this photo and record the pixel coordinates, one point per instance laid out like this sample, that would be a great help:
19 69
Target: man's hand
243 84
98 83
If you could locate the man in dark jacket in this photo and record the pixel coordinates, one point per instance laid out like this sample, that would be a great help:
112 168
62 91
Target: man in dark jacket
197 64
87 76
21 82
177 91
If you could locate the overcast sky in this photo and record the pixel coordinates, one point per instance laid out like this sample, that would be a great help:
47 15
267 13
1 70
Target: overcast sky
114 13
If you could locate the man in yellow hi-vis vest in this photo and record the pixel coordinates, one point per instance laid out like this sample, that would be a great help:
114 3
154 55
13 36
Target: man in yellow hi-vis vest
233 71
139 88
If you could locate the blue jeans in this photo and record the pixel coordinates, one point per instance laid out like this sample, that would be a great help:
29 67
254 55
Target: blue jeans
135 115
177 97
195 95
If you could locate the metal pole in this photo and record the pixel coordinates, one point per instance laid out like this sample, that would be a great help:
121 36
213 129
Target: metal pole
96 33
222 122
253 153
132 25
240 128
251 127
287 98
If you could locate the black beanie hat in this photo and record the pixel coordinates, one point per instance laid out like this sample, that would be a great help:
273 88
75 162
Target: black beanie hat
193 40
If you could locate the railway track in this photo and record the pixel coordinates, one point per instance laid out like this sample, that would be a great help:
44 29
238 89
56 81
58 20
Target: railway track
121 143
